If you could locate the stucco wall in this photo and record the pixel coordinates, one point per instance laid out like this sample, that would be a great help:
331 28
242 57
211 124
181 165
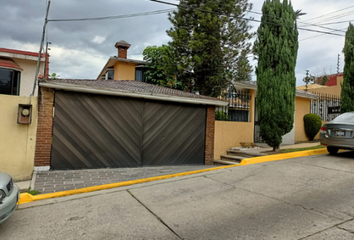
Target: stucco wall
230 134
124 71
17 141
27 75
333 90
302 107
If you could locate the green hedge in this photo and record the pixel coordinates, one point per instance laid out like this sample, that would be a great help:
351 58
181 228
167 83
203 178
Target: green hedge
221 115
312 124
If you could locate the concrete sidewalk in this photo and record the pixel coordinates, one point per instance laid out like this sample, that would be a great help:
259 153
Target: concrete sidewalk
56 181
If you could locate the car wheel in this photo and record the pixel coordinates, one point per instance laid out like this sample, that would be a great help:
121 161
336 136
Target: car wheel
332 150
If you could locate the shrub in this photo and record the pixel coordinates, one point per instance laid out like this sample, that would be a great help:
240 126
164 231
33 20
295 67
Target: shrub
312 124
221 115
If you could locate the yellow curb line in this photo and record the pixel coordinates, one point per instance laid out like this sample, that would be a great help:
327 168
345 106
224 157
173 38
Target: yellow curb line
26 197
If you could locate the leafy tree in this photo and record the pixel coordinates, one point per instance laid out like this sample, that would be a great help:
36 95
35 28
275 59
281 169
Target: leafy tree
243 68
207 42
276 49
347 95
161 69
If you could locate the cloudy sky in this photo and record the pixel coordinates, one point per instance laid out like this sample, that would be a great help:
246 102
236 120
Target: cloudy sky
80 49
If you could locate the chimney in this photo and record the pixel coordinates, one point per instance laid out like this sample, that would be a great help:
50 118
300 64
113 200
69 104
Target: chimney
123 47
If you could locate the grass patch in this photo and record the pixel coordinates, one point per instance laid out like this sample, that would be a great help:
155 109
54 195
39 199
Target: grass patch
289 150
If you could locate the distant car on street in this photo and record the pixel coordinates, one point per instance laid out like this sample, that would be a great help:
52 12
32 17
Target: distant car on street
9 195
338 133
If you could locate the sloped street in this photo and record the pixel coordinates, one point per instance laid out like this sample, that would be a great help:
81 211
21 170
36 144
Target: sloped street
302 198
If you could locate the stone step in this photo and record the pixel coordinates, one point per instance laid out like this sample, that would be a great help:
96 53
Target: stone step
237 159
224 162
244 153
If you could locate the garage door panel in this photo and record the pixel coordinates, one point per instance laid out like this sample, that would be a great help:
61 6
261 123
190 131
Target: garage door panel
105 131
80 139
175 134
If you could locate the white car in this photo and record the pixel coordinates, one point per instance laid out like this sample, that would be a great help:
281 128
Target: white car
9 195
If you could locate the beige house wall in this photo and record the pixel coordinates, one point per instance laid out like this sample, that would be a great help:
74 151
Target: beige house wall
17 142
124 71
302 107
231 134
27 75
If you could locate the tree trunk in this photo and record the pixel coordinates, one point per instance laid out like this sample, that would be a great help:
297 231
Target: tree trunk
276 149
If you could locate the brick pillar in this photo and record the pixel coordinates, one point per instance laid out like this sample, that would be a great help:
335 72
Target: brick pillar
45 127
209 136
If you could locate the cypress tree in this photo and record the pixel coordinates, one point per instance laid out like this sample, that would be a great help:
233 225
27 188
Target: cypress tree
347 95
276 48
208 43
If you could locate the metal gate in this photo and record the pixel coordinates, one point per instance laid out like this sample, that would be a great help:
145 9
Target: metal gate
96 131
173 134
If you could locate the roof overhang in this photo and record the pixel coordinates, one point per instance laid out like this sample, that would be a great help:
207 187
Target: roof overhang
124 93
11 53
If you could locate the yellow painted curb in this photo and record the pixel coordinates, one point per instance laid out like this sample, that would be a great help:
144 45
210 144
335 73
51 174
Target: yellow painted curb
282 156
26 197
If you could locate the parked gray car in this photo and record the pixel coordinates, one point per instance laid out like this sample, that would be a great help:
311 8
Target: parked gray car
9 195
338 133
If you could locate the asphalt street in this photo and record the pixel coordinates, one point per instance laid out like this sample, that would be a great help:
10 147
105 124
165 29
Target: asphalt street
303 198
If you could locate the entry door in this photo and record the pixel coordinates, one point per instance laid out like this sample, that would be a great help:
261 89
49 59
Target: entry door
174 134
96 131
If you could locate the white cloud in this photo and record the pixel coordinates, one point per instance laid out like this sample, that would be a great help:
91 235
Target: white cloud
99 39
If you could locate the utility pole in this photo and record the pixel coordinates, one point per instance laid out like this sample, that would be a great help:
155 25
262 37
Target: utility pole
40 50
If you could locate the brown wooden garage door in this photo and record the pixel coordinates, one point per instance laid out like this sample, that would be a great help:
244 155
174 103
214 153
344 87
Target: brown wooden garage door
96 131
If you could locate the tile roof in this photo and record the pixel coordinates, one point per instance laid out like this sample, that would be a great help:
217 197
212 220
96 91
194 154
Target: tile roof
128 86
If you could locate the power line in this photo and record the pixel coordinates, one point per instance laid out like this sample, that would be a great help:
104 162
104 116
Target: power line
113 17
248 19
316 25
326 15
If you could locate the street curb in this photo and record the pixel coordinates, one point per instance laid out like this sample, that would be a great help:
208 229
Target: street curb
26 197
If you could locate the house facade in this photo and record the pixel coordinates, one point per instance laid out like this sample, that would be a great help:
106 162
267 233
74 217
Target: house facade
231 132
108 123
120 67
18 121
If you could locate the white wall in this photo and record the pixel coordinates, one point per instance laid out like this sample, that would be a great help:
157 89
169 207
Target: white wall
27 75
289 138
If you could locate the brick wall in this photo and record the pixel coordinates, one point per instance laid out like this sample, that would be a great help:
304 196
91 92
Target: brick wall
45 127
122 52
209 135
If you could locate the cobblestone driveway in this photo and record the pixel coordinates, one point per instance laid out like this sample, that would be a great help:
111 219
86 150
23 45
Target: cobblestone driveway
56 181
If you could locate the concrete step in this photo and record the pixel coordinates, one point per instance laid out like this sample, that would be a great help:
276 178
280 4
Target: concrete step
237 159
244 153
224 162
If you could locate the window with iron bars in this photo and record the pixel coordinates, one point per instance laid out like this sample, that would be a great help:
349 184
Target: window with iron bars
238 109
